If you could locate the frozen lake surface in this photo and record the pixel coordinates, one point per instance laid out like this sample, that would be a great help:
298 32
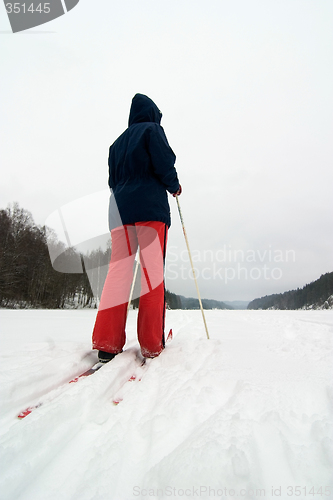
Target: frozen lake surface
247 414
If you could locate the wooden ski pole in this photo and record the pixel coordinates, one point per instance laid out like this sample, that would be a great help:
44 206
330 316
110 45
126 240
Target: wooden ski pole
133 283
194 276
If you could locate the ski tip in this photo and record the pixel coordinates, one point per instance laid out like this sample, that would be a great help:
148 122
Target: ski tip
169 337
24 413
117 401
27 411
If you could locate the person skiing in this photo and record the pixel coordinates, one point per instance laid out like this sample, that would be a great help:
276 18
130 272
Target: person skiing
141 171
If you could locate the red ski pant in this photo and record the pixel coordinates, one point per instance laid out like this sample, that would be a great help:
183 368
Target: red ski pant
109 331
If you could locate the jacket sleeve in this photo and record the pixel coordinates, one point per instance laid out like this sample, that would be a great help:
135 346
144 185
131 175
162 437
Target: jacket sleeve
110 162
163 159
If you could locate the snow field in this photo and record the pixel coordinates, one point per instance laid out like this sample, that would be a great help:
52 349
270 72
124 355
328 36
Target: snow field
231 417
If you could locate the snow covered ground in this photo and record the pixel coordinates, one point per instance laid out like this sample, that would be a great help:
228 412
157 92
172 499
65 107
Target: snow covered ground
247 414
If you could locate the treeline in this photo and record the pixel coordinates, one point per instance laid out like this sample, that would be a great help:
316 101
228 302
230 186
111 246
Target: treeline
27 278
316 294
192 303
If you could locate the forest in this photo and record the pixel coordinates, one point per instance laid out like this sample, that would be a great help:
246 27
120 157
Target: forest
314 295
27 278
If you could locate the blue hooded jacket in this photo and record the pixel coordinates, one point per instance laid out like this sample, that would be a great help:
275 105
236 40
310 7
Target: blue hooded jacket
141 168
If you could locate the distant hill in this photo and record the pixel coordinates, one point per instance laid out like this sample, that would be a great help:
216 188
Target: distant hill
237 304
180 302
192 303
316 295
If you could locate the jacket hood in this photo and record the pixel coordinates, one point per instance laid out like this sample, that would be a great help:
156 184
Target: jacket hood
143 109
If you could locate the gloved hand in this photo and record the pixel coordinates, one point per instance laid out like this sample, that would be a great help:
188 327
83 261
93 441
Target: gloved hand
178 192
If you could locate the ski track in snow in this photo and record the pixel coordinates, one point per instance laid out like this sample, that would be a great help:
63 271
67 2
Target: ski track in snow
248 410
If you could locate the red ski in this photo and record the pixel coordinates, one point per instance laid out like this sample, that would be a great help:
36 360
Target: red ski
118 398
29 409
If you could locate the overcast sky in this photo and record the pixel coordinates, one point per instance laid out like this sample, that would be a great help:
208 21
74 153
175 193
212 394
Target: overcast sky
245 88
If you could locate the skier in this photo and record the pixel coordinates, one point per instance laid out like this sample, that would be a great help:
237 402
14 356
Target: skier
141 171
